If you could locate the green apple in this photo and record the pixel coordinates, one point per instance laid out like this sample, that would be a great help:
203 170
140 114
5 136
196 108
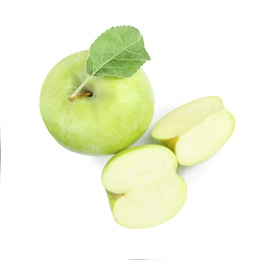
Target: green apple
196 130
143 187
110 114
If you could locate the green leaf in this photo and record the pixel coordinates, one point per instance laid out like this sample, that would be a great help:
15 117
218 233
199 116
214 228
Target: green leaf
119 52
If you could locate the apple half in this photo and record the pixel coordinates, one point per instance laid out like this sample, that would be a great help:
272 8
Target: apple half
143 187
196 130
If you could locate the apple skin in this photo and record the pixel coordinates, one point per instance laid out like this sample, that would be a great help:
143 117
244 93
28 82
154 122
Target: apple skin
113 118
143 187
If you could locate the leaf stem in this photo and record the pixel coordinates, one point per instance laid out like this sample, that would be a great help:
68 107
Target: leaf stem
76 92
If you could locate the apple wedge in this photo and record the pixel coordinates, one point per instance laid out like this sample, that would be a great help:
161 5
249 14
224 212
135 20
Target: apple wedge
196 130
143 187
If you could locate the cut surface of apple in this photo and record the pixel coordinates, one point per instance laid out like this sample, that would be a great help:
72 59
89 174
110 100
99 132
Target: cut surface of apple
143 187
115 113
196 130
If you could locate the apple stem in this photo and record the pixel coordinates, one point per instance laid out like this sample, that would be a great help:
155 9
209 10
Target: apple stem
76 92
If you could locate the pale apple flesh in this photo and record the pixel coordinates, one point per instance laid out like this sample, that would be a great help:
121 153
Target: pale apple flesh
110 114
196 130
143 187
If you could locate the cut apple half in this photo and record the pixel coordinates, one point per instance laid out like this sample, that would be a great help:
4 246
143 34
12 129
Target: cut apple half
196 130
143 187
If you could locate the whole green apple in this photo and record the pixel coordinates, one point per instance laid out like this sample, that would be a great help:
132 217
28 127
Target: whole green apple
108 115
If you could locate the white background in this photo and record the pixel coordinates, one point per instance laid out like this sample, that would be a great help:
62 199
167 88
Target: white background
52 203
